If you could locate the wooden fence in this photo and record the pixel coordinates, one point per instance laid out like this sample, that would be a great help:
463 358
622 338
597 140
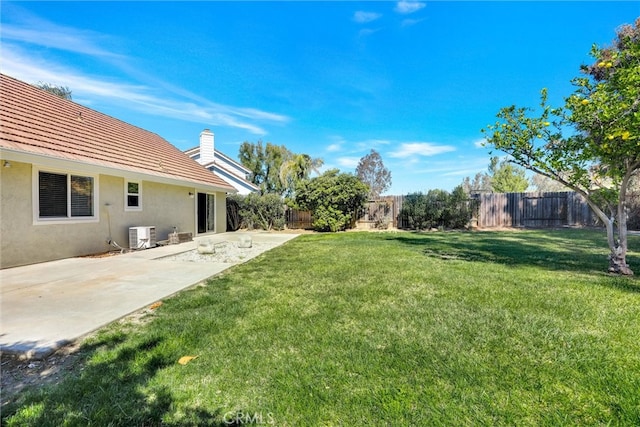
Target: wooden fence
527 210
382 213
298 219
534 210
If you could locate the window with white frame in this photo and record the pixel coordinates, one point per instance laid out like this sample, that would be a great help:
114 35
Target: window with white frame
133 196
65 196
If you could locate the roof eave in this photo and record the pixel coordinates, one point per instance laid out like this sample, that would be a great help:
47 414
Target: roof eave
106 169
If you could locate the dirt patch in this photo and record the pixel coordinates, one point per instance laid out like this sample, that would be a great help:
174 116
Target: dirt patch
18 373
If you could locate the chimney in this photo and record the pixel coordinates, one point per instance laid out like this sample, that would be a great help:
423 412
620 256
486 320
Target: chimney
206 147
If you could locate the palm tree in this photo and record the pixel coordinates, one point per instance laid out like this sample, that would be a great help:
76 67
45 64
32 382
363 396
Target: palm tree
298 168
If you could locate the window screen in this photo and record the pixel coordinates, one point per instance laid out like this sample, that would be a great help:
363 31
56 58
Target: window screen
53 195
64 196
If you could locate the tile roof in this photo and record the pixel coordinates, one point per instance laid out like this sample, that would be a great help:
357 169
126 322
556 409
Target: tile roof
36 122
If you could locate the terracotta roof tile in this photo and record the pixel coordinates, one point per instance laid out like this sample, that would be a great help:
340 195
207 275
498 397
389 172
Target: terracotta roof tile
37 122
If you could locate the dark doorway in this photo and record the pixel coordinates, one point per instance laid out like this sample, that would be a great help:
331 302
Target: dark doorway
206 213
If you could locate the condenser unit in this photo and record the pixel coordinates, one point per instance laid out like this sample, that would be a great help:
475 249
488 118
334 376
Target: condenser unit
142 237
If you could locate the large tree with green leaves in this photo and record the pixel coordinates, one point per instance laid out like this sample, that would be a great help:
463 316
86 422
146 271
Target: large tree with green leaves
507 177
265 162
592 143
502 177
275 169
296 169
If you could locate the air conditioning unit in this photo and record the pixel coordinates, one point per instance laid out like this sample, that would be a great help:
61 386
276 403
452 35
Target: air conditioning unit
142 237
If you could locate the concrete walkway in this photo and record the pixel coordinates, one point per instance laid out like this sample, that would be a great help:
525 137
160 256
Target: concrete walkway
47 305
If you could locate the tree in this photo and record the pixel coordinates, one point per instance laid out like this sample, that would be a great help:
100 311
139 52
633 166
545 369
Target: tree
545 184
507 177
481 184
372 172
334 199
264 162
503 177
60 91
297 169
592 143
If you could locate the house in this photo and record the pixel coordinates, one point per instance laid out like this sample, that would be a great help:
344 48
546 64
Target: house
222 165
73 179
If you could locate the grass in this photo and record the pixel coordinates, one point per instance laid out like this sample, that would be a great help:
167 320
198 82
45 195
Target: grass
508 328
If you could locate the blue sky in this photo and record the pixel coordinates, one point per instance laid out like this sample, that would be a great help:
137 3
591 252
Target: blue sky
416 81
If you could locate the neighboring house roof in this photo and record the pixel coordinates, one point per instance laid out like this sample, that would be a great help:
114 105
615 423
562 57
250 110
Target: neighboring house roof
195 151
232 162
223 166
230 176
36 122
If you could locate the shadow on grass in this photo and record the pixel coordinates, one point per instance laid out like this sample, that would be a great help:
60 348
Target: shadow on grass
128 373
110 385
582 251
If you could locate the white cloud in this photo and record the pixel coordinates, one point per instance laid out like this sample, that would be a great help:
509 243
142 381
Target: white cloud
137 90
334 147
461 172
410 22
348 162
43 33
158 98
371 144
363 17
367 32
479 143
405 7
424 149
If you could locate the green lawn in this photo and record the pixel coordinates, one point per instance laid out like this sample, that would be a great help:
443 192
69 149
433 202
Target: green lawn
398 329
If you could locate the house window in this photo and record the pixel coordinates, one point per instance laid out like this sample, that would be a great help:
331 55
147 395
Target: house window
65 196
133 194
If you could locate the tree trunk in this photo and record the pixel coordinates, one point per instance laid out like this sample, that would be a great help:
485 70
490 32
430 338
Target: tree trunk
618 257
618 263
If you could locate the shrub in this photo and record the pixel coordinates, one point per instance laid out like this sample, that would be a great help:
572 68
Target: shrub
437 208
414 211
460 209
335 199
233 214
257 211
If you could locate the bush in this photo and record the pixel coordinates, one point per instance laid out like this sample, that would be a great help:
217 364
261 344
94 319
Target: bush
335 199
414 208
257 211
437 208
460 209
233 214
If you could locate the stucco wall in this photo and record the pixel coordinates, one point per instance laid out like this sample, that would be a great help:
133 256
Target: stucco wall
22 242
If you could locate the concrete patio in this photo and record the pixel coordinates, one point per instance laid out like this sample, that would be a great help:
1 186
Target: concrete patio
47 305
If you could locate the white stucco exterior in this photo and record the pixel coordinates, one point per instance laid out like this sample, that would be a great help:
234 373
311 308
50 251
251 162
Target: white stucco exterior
26 239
